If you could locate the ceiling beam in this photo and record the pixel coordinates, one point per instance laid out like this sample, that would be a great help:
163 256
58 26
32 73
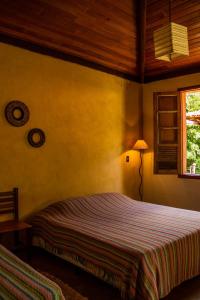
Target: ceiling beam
191 69
141 29
28 45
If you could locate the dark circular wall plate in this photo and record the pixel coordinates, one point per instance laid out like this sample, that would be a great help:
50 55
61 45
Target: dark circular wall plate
17 113
36 132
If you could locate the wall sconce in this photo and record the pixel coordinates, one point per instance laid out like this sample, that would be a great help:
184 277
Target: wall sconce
140 145
171 41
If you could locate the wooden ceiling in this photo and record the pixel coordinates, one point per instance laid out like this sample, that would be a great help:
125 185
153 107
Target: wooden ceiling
111 35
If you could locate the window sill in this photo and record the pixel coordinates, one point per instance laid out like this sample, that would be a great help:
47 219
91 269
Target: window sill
189 176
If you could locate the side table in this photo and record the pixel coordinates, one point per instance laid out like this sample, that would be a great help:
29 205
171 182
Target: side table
16 227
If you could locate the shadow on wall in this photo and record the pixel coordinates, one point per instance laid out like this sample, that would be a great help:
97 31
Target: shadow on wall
129 157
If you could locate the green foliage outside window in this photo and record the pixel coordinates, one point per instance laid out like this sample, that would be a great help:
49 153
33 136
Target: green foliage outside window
193 132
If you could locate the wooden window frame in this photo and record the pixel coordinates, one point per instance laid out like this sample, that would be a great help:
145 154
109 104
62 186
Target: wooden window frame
166 151
182 138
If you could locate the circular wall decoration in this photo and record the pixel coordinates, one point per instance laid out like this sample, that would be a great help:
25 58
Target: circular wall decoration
36 137
17 113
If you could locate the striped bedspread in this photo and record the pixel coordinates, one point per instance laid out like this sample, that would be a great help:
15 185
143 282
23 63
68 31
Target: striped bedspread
18 281
143 249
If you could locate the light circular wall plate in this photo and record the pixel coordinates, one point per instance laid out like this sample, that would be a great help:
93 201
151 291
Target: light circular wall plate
36 137
17 113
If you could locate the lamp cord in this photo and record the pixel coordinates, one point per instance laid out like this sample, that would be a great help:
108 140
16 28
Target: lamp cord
140 173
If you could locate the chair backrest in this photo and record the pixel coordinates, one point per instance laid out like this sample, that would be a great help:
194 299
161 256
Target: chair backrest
9 203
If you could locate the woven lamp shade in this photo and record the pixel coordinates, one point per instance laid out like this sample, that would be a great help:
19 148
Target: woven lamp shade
171 41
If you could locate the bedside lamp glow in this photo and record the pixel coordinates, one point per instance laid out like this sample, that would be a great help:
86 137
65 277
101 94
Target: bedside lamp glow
140 145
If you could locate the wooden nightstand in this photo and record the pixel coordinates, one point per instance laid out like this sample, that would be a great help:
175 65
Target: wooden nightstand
9 206
15 228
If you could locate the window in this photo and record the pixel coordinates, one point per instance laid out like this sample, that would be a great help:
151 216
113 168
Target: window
177 132
190 132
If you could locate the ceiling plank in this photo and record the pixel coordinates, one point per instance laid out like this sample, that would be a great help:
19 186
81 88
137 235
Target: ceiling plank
142 4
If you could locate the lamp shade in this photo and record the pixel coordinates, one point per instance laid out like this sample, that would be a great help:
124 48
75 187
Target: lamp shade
140 145
171 41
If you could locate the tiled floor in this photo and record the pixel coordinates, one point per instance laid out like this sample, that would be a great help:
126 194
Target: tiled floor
96 289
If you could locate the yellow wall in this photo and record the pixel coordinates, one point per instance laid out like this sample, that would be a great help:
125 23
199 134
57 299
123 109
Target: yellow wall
167 189
89 118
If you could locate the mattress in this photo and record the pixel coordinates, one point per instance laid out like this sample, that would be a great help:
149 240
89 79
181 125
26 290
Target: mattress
19 281
143 249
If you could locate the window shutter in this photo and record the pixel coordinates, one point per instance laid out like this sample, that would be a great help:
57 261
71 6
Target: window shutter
166 132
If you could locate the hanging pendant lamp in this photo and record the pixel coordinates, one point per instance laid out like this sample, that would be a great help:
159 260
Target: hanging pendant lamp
171 41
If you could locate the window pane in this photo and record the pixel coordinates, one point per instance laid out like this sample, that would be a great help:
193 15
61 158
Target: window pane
193 131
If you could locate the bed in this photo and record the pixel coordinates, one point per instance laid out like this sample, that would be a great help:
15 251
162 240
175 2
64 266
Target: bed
143 249
19 281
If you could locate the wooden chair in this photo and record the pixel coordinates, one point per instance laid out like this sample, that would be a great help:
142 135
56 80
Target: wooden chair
9 209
